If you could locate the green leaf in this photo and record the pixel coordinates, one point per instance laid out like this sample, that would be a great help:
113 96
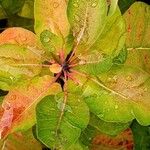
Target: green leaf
141 136
112 39
112 6
87 19
123 90
87 135
122 57
12 6
78 146
57 129
2 13
53 17
125 4
27 9
95 63
110 128
17 21
51 42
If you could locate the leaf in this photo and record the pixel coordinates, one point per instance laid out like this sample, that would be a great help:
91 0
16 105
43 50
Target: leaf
51 42
110 128
27 9
141 136
78 146
17 21
2 13
19 49
123 90
112 6
19 36
95 63
123 141
87 19
122 57
125 4
14 62
139 46
115 30
55 130
12 6
138 36
53 17
87 135
19 105
21 140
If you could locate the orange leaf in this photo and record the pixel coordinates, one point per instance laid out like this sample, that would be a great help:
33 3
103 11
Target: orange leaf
17 35
19 105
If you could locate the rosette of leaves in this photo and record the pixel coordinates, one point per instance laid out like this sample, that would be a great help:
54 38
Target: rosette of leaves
70 74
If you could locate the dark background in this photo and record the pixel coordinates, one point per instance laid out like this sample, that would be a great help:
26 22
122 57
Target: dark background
147 1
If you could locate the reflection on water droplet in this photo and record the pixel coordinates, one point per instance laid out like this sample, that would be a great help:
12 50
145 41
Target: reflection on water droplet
94 4
55 4
76 5
13 97
101 115
77 18
116 106
129 78
145 90
53 132
23 39
46 39
78 100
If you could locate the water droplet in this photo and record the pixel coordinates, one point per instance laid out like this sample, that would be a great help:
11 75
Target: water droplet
78 100
145 90
76 5
13 97
90 139
68 108
101 115
116 106
129 78
94 4
53 132
11 78
77 18
55 4
23 39
46 39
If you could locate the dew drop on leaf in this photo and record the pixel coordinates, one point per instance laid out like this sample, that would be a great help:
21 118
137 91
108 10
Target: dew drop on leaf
13 97
77 18
101 115
129 78
94 4
46 39
55 4
116 106
76 5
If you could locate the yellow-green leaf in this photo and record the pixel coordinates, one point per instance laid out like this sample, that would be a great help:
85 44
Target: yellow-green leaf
51 15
